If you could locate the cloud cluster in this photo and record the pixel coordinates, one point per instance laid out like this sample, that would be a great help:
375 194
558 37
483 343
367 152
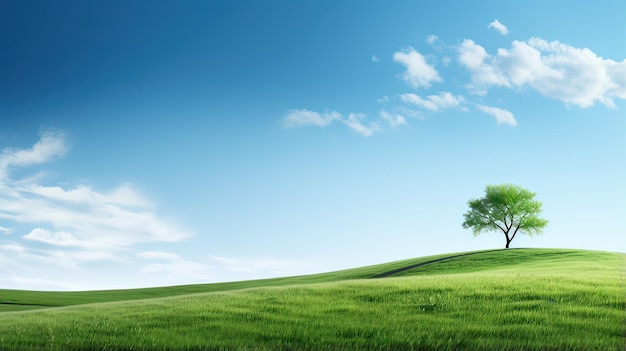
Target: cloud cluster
555 70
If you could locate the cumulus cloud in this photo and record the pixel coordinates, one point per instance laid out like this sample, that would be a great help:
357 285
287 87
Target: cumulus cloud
501 28
418 72
481 66
435 103
555 70
502 116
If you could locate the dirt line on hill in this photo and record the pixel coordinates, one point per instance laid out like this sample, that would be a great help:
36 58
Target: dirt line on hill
404 269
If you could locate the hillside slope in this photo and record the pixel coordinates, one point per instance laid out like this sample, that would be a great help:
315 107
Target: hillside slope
524 299
473 261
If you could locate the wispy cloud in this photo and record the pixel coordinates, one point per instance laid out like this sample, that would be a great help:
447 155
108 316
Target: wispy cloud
306 118
394 120
375 58
418 72
303 118
442 101
555 70
52 144
355 122
56 238
501 28
25 258
502 116
432 39
4 230
78 218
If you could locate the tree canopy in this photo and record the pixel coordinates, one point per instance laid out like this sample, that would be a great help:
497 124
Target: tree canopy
507 208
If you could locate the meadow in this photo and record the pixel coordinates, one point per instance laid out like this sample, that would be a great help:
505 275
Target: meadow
516 299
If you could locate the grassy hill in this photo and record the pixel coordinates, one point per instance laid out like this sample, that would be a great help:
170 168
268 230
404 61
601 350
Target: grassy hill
517 299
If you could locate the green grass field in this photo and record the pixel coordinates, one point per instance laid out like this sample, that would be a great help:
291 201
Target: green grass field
517 299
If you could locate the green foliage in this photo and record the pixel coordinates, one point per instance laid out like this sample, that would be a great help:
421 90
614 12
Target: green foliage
544 300
507 208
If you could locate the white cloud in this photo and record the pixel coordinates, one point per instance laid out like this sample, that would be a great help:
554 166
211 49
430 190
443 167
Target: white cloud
375 58
393 120
502 116
555 70
444 100
4 230
354 122
501 28
303 118
418 72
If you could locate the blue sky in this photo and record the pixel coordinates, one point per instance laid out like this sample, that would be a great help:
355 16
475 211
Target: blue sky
161 143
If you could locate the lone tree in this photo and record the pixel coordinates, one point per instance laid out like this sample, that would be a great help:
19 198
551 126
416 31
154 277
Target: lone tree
505 207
